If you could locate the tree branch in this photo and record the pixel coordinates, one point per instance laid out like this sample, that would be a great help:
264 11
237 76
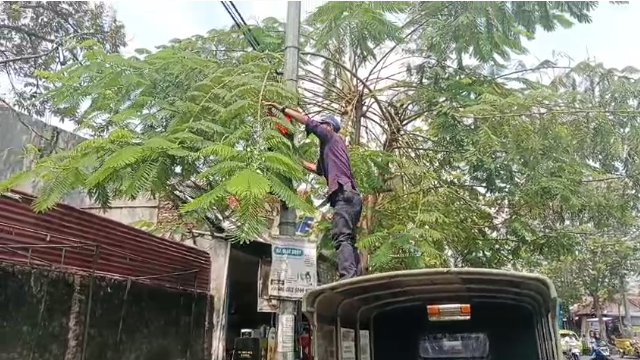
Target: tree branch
27 32
355 76
55 47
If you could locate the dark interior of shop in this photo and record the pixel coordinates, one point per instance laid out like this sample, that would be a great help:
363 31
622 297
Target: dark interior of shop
509 328
243 294
242 307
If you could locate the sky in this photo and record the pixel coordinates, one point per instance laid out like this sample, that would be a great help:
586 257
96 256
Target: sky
149 24
154 23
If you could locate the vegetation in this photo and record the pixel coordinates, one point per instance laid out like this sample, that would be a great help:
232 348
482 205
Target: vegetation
597 269
43 36
463 159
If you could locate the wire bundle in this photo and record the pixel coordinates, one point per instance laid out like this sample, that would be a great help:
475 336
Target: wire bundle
238 19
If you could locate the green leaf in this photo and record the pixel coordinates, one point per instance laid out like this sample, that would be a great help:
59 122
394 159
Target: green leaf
248 183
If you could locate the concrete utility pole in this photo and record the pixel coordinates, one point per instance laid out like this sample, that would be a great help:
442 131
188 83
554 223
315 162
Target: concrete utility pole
285 349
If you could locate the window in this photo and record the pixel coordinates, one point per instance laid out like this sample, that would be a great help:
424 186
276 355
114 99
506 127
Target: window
458 346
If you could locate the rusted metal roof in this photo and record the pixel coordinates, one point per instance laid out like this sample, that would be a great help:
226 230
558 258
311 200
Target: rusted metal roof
70 239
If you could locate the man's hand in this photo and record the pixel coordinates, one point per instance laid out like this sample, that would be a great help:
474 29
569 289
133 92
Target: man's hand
272 104
310 167
296 115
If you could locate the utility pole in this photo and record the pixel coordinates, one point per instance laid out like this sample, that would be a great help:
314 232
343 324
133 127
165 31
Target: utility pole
285 349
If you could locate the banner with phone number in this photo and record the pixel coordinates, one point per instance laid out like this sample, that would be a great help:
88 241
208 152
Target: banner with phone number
293 267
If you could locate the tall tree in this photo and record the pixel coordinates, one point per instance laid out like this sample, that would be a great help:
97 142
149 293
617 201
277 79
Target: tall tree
596 267
452 161
492 31
44 36
459 167
182 119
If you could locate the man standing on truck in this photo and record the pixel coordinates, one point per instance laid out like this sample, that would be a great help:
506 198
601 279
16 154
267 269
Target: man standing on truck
334 165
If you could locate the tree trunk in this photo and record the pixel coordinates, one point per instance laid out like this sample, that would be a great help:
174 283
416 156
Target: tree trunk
625 303
598 309
357 121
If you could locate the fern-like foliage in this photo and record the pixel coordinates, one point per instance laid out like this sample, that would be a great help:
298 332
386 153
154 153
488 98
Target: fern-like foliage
492 31
458 165
173 117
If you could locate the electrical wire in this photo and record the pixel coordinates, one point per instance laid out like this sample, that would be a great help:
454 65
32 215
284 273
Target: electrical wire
248 32
239 21
238 13
242 25
236 21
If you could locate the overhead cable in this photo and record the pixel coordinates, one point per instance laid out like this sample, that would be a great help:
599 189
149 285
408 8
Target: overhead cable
241 24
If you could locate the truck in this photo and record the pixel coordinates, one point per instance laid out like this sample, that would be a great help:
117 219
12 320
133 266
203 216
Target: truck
453 313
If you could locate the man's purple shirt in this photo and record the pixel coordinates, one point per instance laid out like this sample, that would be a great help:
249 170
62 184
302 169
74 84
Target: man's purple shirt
333 162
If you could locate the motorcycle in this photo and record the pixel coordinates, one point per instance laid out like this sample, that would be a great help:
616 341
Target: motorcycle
600 351
574 353
636 347
571 350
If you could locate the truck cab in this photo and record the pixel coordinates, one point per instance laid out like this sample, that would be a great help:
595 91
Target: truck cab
435 314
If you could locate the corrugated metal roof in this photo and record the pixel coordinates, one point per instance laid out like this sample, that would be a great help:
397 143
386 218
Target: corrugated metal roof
69 239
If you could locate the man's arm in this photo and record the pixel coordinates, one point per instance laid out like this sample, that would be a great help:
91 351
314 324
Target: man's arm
312 167
298 116
310 125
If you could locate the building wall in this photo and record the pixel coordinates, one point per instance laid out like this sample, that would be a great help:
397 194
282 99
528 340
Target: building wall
44 316
17 131
127 212
54 316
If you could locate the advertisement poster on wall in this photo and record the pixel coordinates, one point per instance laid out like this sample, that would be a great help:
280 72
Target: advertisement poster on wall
365 347
265 303
348 337
293 268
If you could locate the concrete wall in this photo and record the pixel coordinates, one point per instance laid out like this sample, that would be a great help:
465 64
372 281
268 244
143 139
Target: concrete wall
55 316
127 212
17 131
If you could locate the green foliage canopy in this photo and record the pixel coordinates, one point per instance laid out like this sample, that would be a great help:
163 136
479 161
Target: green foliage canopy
459 166
43 36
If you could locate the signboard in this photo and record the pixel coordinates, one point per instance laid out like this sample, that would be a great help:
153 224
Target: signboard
265 304
365 347
304 226
293 268
559 314
348 338
286 328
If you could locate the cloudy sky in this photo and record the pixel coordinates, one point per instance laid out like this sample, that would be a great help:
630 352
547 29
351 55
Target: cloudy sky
608 39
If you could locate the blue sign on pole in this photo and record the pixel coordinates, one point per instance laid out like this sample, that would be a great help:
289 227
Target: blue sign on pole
304 227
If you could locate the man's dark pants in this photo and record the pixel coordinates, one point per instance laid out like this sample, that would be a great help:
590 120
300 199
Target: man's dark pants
347 208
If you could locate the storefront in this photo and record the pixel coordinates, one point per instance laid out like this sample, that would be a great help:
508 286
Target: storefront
249 312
